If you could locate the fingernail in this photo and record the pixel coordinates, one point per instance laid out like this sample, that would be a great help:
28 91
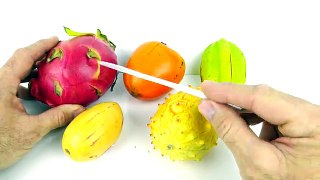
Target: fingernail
206 109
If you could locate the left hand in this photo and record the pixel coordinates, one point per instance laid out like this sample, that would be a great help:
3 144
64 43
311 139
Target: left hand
20 131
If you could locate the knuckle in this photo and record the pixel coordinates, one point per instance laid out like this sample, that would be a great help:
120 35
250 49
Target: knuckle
230 84
41 41
20 52
23 53
223 125
261 89
61 118
257 92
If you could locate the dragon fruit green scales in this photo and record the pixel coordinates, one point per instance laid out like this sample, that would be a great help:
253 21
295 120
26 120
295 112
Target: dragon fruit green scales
71 73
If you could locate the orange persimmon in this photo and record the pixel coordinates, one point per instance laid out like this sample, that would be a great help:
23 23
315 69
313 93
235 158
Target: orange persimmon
155 59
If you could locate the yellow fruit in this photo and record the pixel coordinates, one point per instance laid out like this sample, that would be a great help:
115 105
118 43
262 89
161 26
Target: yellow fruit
179 131
93 131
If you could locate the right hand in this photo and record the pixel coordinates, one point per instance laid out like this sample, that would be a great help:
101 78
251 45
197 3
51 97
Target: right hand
289 143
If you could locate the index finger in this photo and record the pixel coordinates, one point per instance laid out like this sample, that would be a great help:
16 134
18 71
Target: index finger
23 59
271 105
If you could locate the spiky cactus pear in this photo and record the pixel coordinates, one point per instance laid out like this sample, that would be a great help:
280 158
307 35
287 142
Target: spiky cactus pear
71 73
179 130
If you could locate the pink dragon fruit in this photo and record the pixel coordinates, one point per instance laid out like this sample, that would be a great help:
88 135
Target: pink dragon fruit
71 73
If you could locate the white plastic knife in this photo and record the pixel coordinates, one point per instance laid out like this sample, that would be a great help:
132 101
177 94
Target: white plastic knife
177 87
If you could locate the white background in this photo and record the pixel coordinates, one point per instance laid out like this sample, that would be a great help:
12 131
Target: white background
280 40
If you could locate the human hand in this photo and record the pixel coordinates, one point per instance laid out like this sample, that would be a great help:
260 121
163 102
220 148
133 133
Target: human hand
18 130
289 143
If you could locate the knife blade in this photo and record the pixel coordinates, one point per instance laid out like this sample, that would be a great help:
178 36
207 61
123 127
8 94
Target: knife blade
177 87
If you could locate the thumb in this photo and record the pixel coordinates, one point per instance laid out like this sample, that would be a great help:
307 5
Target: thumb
58 116
230 127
